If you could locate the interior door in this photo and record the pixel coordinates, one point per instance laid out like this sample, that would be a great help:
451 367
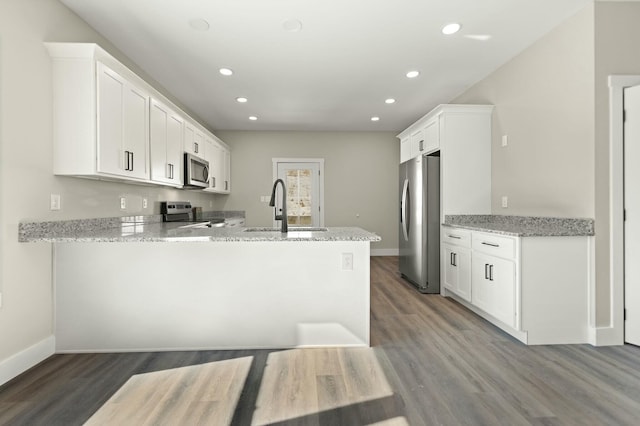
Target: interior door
302 180
632 212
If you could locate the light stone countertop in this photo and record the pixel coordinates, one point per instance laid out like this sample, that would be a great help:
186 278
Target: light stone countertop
139 229
522 226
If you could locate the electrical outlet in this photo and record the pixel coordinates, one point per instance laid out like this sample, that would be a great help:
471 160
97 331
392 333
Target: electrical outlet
0 300
55 201
505 201
347 261
210 203
123 203
505 140
144 203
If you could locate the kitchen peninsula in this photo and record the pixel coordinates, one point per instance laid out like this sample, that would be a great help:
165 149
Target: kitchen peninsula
144 286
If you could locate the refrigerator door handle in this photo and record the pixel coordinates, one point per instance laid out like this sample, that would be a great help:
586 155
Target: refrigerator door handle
404 210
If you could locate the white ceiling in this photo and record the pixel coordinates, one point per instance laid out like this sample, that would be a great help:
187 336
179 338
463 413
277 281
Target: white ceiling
333 74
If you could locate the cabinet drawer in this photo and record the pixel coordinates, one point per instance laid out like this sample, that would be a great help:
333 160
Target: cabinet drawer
494 245
459 237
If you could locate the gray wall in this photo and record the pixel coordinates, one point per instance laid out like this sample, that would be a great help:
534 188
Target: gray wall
544 101
361 174
26 177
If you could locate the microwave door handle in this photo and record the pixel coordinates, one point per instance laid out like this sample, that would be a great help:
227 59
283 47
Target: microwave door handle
205 174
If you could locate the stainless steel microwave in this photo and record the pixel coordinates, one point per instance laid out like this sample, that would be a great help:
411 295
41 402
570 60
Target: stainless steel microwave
196 171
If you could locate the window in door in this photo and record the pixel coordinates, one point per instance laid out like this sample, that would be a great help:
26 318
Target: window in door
303 179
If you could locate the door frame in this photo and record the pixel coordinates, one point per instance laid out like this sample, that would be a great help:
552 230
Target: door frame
614 334
320 162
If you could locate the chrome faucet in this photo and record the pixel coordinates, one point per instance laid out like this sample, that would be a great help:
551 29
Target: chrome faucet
283 211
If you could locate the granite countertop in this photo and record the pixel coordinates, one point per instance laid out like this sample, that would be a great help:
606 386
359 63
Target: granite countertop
523 226
148 229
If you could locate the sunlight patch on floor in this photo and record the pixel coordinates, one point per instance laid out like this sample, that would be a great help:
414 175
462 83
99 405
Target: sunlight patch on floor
198 394
302 382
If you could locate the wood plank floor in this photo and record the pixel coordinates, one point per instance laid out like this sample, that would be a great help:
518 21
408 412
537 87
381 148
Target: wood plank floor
432 362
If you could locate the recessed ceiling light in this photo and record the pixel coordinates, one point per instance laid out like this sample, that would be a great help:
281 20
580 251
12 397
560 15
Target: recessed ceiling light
226 71
241 100
451 28
253 118
375 118
413 74
199 24
390 101
292 25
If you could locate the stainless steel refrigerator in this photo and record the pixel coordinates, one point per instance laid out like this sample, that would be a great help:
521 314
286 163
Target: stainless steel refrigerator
420 222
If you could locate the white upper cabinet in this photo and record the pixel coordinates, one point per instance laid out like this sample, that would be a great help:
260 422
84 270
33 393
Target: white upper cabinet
227 171
462 134
122 125
405 149
194 139
218 155
166 134
108 123
431 133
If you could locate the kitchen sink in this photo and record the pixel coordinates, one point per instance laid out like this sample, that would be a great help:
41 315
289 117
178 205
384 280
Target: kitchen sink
214 223
291 229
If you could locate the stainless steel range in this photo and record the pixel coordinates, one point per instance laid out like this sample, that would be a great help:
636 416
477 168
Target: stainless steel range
182 212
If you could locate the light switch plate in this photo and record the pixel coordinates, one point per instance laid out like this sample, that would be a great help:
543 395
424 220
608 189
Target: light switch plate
505 140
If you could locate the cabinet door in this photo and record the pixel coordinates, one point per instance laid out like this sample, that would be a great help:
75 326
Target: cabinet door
122 126
493 287
175 155
417 143
432 135
227 171
457 271
450 269
110 121
136 131
166 143
194 141
215 156
405 150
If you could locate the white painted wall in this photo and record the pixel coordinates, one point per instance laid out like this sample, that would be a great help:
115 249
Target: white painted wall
26 178
544 101
361 176
617 36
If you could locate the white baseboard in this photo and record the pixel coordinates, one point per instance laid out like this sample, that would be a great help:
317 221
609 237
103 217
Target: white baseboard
605 336
22 361
385 252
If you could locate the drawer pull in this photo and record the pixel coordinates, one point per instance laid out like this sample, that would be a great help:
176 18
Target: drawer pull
486 271
490 244
455 237
490 272
453 259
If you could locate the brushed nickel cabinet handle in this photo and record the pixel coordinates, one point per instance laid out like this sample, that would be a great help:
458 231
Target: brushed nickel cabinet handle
490 244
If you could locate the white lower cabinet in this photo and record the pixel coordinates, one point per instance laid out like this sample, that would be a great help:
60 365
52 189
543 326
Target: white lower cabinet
457 263
493 282
534 288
